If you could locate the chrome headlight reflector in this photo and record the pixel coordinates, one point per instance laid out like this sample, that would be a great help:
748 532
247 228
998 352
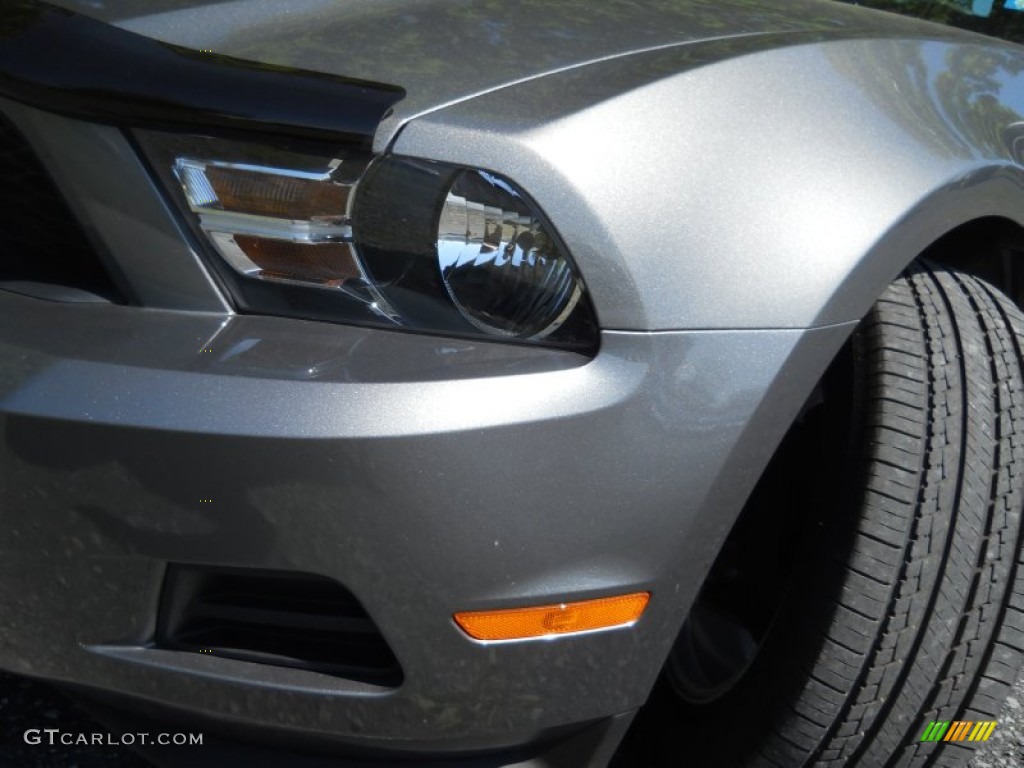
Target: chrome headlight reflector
337 235
502 268
270 215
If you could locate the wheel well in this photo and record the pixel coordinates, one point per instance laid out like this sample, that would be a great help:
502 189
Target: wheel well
991 248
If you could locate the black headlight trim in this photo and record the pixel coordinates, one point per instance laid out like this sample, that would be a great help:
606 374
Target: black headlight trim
396 214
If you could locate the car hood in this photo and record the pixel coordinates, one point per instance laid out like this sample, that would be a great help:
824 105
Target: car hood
444 51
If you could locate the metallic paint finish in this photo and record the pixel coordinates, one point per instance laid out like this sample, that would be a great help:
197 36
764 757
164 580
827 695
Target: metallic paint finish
443 52
783 188
600 477
113 196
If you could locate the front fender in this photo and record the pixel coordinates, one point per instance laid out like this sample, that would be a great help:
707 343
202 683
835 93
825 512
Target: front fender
776 181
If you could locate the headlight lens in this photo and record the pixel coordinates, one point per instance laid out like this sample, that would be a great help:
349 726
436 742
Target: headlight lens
330 235
501 267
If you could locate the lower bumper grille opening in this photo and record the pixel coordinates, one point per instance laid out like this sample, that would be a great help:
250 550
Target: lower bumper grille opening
273 617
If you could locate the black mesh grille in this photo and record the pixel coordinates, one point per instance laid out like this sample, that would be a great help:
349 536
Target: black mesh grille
40 239
271 617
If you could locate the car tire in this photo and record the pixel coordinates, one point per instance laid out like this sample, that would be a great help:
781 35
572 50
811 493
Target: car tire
905 605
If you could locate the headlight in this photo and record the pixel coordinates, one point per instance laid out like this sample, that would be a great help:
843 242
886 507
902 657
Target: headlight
500 265
337 235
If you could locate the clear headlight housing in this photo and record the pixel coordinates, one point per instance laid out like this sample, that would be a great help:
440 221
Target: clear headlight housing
292 229
502 268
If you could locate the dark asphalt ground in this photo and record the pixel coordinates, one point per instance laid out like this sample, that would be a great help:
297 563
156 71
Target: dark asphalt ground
27 704
1006 749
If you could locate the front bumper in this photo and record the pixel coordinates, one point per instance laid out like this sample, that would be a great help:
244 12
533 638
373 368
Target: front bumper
426 475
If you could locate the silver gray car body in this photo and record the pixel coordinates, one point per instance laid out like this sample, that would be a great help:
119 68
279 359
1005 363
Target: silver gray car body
737 182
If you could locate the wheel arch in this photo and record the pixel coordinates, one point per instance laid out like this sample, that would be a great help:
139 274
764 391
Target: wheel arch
989 246
974 221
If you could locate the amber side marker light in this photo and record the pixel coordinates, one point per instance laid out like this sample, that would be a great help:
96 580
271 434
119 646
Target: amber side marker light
560 619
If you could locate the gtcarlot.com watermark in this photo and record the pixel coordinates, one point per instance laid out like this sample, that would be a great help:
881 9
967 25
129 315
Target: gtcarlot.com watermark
55 736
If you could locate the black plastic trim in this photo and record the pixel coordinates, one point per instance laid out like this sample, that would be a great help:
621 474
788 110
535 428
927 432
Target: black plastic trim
63 62
45 251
